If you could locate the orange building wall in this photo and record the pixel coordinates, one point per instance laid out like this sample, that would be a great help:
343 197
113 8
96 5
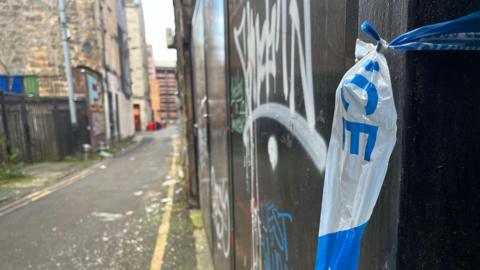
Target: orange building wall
155 99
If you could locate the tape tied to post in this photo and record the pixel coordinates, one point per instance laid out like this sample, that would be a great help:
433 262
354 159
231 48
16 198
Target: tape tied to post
459 34
363 136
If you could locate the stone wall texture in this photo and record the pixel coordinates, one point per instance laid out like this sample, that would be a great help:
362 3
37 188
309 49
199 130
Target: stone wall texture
138 57
31 40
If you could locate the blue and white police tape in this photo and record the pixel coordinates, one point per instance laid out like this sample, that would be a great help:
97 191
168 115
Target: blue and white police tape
364 134
459 34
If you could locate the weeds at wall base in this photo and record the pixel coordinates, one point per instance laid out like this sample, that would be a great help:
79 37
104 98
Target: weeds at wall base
10 169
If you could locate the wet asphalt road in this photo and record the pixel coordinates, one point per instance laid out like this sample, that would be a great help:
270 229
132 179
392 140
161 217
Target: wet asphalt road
107 220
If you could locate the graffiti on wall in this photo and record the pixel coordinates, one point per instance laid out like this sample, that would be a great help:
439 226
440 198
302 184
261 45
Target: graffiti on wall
94 93
202 137
221 213
97 123
273 49
274 238
237 104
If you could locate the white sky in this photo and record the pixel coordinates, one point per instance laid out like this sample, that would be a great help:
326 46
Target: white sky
159 15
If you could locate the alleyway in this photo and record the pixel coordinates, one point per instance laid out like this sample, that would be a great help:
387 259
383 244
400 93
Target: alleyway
107 220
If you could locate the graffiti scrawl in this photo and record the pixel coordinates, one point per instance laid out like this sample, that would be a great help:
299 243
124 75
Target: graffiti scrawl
267 43
274 238
221 213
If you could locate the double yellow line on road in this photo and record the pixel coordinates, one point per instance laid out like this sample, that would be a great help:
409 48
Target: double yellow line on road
159 252
47 191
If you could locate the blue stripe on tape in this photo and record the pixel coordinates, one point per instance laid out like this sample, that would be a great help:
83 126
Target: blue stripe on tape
459 34
355 130
466 24
372 66
370 30
362 82
339 250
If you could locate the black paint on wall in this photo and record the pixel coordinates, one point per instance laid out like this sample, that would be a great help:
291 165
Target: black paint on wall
440 218
294 187
426 216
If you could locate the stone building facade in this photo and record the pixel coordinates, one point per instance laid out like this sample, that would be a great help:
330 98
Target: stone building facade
167 93
120 102
118 109
32 47
163 89
154 86
31 41
150 62
183 25
138 55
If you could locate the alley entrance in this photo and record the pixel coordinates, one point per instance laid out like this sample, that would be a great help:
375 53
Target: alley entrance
109 219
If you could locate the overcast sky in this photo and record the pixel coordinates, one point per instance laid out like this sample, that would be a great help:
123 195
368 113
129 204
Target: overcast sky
158 16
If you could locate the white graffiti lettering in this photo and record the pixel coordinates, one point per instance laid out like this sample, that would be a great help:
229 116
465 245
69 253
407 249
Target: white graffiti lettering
273 151
258 43
221 213
263 42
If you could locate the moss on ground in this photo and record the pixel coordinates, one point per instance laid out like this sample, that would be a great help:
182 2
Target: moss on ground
196 217
16 179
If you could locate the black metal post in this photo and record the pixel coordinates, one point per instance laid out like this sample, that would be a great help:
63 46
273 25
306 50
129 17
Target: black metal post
26 128
5 124
58 134
76 136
